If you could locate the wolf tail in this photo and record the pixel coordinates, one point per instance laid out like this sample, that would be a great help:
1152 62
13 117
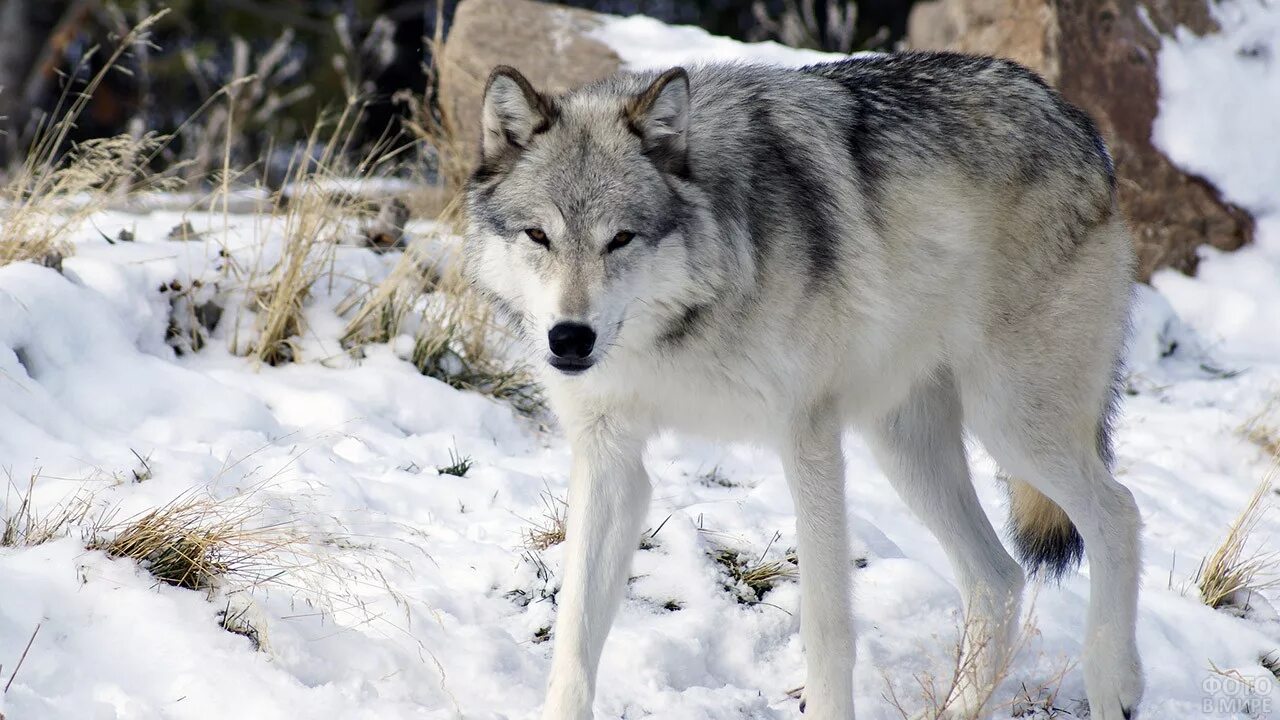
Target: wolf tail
1044 538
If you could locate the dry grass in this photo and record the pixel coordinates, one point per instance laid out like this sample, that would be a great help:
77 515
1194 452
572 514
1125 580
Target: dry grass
378 316
1040 700
459 343
548 531
750 577
59 185
1263 429
26 526
242 618
313 220
1238 567
456 338
200 543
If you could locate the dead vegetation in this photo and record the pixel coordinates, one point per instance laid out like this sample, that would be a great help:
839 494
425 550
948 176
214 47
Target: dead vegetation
59 185
968 691
1239 567
455 337
312 220
547 531
195 541
1263 429
750 577
201 543
448 153
195 309
26 526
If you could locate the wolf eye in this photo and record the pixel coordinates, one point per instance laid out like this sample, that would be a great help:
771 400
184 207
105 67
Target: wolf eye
619 240
536 235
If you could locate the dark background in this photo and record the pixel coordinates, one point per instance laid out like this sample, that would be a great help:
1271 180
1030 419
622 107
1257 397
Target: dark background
321 52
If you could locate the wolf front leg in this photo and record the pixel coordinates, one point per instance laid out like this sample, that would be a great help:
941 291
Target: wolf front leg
608 497
814 464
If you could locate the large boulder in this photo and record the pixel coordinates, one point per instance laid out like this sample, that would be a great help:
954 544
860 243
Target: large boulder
550 44
1102 55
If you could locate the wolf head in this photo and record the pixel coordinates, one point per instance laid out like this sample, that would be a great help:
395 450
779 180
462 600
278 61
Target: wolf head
576 212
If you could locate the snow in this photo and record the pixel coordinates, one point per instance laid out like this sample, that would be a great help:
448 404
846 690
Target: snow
1220 103
643 43
1220 119
421 599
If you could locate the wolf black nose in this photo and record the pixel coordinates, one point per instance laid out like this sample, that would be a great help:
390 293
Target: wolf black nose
571 340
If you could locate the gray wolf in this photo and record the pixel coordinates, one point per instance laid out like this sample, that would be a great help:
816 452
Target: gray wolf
910 245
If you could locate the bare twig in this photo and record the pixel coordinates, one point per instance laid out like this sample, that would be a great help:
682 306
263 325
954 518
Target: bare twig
22 658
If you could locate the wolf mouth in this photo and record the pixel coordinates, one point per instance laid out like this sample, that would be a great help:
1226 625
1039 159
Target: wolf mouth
570 366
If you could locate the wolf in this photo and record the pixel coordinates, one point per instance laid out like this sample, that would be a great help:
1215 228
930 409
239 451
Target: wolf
910 246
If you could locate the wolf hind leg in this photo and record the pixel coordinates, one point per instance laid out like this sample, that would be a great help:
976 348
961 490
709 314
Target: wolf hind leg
1049 442
920 447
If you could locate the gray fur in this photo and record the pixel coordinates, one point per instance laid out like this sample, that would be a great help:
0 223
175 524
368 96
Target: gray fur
911 245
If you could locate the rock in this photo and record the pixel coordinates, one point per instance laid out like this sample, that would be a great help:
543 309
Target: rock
1017 29
184 231
1102 55
550 44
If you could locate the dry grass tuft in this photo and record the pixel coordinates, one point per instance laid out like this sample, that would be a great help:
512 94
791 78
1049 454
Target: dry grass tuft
380 315
199 543
1236 569
318 207
549 530
314 220
460 344
750 577
25 526
44 202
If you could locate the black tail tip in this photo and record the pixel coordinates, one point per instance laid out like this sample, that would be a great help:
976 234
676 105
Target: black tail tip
1048 553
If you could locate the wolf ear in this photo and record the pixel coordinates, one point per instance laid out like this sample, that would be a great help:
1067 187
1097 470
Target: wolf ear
660 116
513 112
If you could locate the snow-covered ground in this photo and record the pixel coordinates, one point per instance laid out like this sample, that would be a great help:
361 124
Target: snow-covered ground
418 598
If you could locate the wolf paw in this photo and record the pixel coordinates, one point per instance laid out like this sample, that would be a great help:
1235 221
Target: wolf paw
1114 689
821 710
